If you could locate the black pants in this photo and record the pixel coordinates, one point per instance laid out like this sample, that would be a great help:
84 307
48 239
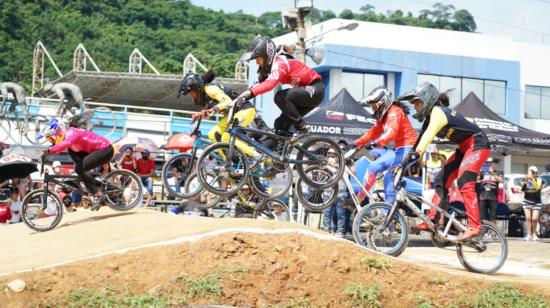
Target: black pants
84 162
297 102
488 209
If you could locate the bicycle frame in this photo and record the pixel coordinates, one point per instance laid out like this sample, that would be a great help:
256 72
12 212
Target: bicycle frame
52 178
345 177
406 198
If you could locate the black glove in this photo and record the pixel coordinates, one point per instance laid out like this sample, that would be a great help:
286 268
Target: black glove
246 95
371 145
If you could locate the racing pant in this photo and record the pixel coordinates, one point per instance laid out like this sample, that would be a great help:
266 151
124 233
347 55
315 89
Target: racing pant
297 102
389 191
380 164
84 162
464 166
218 133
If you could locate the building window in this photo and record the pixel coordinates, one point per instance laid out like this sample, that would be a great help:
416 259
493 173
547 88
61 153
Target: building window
537 102
491 92
359 85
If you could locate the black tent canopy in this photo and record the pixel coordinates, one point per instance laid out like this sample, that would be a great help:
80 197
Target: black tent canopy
342 117
498 130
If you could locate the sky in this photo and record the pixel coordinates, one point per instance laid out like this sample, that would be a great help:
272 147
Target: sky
525 20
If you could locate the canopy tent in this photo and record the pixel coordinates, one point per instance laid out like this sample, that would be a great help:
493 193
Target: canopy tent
498 130
341 118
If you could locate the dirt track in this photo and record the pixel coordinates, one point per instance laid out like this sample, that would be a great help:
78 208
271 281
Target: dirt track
272 268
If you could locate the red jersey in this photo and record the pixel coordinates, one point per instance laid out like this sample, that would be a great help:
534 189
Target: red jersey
286 71
127 163
145 166
394 126
5 214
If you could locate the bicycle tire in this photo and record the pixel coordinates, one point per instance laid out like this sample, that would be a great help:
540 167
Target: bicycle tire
309 198
5 128
374 218
203 206
186 172
258 188
232 177
468 265
25 210
267 210
329 145
39 123
110 199
110 116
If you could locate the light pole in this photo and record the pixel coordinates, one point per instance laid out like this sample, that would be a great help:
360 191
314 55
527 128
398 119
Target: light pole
318 54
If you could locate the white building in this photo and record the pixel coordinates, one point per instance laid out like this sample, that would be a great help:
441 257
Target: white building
512 78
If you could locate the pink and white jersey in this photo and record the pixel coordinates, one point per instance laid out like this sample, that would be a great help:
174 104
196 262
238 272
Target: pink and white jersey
81 140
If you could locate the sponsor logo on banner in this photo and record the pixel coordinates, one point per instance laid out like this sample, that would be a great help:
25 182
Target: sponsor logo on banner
339 116
334 130
334 115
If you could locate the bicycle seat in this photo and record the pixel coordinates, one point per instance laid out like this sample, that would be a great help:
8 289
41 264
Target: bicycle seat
458 211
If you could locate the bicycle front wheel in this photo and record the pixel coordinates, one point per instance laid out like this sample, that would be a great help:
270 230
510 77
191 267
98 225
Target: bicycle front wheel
231 171
103 120
485 254
322 153
37 125
123 190
273 209
368 230
316 199
267 181
201 198
41 213
180 163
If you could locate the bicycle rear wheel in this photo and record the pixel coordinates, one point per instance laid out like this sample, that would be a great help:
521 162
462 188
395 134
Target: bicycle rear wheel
103 119
322 153
123 190
231 172
37 125
268 182
182 163
273 209
485 254
368 230
200 197
39 214
316 199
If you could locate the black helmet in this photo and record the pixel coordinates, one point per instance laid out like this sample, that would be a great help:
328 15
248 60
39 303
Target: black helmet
425 92
191 82
261 46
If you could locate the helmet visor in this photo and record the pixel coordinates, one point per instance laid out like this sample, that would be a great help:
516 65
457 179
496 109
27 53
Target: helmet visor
247 56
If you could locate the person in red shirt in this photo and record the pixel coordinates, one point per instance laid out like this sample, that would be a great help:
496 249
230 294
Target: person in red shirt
392 126
145 169
128 161
278 67
5 212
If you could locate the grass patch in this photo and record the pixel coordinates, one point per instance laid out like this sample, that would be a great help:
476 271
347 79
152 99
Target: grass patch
89 298
363 295
504 295
437 280
374 263
422 302
209 285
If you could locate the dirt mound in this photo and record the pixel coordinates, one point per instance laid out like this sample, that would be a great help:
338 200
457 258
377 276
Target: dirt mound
245 269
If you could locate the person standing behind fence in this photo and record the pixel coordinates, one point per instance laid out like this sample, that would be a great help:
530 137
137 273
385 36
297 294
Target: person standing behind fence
146 168
532 186
488 195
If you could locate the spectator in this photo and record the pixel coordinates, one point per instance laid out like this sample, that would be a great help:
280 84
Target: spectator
128 161
334 217
488 195
433 165
532 204
15 206
5 212
104 169
145 168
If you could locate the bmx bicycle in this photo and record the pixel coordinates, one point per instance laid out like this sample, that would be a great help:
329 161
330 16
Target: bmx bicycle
42 209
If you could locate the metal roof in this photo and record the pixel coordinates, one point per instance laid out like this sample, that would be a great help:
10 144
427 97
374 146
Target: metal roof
148 90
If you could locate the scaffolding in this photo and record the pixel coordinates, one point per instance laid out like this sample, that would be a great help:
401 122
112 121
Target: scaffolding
241 70
38 66
190 64
135 63
81 58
